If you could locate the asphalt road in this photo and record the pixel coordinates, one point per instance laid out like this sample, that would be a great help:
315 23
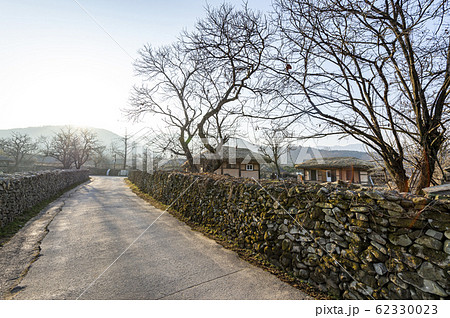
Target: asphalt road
99 221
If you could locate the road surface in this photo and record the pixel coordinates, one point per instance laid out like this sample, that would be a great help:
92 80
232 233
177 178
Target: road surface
82 256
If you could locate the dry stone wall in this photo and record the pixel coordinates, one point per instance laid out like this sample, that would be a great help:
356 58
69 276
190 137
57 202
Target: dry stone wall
20 192
353 243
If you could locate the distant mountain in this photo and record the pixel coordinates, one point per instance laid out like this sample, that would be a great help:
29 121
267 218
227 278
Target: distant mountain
345 153
104 136
295 156
353 147
299 154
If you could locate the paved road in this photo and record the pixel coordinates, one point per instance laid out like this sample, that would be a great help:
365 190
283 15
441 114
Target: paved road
169 261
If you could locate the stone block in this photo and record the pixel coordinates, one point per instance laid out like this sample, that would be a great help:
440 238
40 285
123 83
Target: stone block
401 240
429 242
439 258
434 273
377 238
434 234
380 268
425 285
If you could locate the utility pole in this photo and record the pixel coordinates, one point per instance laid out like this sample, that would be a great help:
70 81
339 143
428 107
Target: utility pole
125 151
133 156
144 160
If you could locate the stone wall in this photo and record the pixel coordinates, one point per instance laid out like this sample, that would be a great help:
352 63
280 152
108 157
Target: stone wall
20 192
353 243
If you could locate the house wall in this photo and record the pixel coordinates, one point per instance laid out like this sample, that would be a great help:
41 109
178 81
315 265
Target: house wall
356 178
320 175
250 174
307 174
255 166
231 172
234 172
346 175
341 174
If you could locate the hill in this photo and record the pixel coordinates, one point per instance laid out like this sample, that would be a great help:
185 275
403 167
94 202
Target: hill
353 147
297 155
104 136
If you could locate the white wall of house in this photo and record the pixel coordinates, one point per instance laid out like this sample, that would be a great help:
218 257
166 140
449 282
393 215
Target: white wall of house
234 172
231 172
250 174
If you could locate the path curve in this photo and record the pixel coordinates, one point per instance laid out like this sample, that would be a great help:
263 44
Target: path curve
169 261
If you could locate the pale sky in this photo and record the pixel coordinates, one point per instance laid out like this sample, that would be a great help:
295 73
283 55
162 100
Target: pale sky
58 67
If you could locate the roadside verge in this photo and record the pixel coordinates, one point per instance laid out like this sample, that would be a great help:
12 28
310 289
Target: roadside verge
23 248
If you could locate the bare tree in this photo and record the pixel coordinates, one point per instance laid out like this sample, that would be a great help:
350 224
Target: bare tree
84 145
274 144
61 146
43 143
18 146
376 70
442 175
231 44
167 92
72 147
100 156
414 156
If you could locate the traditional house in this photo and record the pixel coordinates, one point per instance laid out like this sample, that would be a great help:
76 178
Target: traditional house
236 162
338 168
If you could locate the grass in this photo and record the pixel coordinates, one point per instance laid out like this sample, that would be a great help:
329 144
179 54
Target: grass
253 258
10 229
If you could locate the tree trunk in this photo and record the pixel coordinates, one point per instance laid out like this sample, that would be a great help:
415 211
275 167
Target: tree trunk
398 173
213 165
428 164
192 166
190 159
277 166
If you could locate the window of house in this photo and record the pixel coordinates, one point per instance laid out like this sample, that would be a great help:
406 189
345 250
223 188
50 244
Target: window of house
364 177
313 175
249 167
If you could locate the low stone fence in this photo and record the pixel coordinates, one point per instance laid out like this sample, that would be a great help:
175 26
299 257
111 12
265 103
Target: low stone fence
103 172
353 243
20 192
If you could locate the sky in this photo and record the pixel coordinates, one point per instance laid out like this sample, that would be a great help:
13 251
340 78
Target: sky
69 62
